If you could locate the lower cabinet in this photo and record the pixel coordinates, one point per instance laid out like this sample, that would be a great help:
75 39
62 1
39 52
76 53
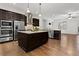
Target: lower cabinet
57 34
29 42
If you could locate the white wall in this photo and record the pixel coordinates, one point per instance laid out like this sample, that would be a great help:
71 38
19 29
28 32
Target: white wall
70 28
71 25
41 24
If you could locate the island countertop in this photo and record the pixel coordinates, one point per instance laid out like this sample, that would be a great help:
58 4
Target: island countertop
31 32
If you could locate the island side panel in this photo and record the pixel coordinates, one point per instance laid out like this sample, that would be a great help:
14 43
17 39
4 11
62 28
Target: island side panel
31 41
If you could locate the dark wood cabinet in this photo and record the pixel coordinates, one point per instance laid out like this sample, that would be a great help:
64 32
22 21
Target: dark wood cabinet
3 14
9 15
29 42
35 22
57 34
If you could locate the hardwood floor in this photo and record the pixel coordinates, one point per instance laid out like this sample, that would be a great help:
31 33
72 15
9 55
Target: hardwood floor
67 46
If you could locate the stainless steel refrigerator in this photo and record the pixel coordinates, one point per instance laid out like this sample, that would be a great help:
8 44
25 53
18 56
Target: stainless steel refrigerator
18 26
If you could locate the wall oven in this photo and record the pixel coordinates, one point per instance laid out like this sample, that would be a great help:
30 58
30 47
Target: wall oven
6 30
6 23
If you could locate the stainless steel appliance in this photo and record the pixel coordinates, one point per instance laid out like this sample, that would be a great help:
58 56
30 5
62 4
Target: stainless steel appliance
6 30
18 26
6 23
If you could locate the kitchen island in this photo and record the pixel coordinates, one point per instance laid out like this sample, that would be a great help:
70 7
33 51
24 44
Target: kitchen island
29 40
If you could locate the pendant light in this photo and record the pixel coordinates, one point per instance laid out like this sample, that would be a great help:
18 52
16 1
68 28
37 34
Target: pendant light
28 10
29 14
29 18
70 16
39 10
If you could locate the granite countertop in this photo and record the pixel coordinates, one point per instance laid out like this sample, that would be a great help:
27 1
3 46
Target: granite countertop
30 32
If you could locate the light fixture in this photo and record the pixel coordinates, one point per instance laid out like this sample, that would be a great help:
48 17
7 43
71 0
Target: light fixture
40 15
39 10
29 15
29 18
28 10
70 16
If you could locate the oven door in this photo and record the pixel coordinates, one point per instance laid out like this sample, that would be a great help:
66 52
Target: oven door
6 33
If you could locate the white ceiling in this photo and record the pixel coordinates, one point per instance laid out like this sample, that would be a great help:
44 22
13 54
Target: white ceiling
47 9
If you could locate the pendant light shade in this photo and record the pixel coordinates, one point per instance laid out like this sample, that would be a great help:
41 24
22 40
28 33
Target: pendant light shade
39 15
29 15
29 18
28 10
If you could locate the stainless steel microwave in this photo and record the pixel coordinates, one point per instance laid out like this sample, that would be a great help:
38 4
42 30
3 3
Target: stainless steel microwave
6 23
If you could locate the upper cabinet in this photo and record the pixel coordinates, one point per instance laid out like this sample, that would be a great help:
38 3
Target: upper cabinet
2 14
35 22
9 15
